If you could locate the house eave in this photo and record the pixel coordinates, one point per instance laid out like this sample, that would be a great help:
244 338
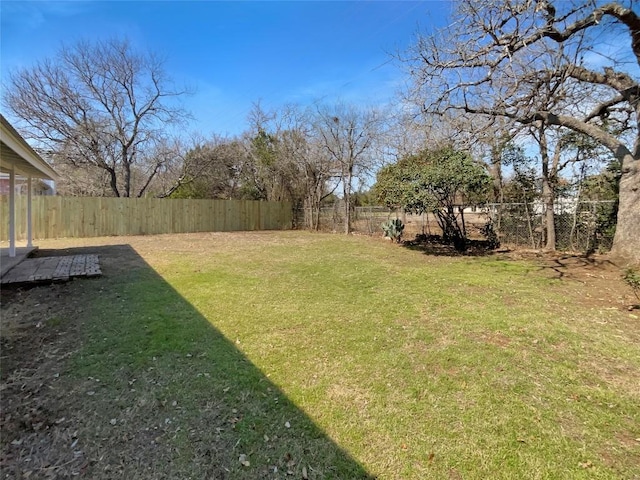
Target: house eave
18 156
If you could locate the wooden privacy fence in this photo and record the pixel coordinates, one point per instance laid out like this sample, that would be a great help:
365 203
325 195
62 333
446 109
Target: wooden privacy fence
58 217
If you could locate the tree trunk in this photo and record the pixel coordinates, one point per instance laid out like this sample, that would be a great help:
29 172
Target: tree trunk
495 171
549 214
316 211
531 237
626 242
127 180
548 192
498 192
574 221
347 202
113 181
126 165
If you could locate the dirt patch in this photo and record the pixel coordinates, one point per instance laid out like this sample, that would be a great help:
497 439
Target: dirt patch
35 344
496 339
40 416
595 280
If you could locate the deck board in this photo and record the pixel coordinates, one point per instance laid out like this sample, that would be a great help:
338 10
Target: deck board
50 269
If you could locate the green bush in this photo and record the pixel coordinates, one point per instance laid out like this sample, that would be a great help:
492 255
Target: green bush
632 278
490 234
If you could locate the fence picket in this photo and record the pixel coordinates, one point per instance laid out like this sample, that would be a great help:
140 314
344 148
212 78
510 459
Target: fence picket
57 217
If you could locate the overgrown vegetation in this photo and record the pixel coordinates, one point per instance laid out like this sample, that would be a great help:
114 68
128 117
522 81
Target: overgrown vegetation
490 234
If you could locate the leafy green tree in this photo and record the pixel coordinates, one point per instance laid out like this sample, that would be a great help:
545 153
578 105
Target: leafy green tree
604 185
441 182
364 198
603 188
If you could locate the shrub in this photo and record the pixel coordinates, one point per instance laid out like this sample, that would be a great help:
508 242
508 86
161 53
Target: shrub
393 229
490 234
632 278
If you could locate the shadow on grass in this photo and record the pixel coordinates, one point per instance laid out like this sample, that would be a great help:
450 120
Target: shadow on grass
156 391
434 245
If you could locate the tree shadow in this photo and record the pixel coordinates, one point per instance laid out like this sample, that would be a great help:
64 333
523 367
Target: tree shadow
573 266
434 245
132 381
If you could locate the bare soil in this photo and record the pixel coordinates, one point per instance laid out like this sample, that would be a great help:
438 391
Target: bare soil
41 328
594 281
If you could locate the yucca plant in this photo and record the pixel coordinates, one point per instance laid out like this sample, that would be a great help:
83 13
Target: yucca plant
393 229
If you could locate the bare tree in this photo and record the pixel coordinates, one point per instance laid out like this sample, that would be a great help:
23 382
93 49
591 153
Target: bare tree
532 61
319 172
289 158
181 164
87 182
269 143
348 135
302 146
99 105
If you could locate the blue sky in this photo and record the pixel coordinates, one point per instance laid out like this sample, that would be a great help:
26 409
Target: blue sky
236 53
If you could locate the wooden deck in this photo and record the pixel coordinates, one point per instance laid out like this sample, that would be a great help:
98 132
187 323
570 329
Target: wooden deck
53 269
7 262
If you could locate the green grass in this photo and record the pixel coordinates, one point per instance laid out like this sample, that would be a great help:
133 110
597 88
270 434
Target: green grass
384 361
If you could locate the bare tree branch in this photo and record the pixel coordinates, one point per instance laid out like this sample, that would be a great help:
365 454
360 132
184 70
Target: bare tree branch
98 104
530 61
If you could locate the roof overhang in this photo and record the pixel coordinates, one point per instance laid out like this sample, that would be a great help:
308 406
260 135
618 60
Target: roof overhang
17 155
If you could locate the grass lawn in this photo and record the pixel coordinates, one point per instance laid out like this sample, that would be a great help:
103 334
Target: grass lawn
300 355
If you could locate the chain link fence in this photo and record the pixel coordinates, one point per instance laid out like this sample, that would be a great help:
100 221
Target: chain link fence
580 226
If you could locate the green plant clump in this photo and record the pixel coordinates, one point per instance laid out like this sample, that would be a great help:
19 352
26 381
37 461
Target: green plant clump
490 234
393 229
632 278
